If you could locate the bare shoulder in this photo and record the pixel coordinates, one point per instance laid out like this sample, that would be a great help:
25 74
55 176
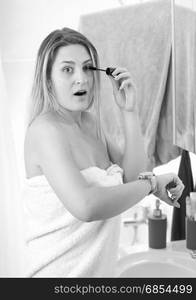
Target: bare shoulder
42 124
43 130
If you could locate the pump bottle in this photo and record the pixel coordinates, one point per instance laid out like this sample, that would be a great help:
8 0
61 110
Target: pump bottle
157 227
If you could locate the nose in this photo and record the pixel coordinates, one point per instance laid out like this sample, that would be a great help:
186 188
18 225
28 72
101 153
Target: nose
80 76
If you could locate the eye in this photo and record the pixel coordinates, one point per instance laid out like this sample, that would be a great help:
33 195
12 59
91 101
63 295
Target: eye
68 69
87 68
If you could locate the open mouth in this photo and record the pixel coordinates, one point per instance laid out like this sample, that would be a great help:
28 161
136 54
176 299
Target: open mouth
80 93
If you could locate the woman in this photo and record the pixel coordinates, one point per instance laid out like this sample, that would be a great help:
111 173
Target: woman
75 192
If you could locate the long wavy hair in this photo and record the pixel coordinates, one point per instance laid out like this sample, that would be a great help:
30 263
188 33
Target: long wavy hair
42 95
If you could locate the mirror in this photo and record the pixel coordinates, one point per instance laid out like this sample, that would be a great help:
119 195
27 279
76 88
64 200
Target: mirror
185 75
184 108
139 37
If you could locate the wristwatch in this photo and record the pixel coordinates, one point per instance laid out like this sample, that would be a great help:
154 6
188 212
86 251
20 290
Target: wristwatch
150 176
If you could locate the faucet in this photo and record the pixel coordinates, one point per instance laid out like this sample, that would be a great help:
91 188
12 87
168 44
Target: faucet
136 222
193 254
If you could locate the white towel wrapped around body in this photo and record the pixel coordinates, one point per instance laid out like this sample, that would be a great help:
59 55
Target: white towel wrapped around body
58 244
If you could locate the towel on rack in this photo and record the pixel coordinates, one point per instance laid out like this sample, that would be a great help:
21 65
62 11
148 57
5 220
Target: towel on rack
185 33
185 174
139 38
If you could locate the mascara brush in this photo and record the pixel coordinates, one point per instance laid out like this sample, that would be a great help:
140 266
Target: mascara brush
108 71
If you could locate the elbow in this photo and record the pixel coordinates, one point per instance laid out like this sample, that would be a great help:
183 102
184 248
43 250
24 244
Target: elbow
87 219
84 211
84 216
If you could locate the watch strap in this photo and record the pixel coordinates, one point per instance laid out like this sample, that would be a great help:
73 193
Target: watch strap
151 177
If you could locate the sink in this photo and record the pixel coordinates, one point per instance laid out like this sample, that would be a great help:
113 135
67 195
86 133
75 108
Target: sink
157 263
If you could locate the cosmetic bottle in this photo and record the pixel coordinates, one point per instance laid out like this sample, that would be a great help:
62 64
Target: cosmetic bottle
193 205
157 227
191 221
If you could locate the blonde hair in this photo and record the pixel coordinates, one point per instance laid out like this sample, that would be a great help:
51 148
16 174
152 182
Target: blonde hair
42 96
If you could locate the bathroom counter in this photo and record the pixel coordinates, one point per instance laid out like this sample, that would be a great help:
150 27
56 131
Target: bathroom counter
171 246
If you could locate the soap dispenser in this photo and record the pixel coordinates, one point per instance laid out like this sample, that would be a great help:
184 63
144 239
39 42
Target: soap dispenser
157 227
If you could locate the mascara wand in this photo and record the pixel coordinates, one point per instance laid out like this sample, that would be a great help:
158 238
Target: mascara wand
108 71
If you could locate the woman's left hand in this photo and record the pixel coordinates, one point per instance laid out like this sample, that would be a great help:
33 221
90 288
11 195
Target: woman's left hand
124 89
175 192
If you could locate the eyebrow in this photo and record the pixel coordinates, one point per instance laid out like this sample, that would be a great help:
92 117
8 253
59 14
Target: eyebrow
72 62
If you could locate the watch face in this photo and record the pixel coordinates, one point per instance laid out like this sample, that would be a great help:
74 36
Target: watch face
145 175
148 174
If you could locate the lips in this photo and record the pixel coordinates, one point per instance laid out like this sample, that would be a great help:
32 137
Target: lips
80 93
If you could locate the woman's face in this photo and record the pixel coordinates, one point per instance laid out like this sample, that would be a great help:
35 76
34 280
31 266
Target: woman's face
71 80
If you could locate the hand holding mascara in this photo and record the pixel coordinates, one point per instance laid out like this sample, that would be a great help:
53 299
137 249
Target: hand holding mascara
123 88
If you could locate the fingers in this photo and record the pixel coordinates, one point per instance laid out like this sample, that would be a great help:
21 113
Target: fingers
172 202
124 89
170 196
114 83
177 191
177 180
169 201
122 76
124 84
176 204
119 70
175 195
122 79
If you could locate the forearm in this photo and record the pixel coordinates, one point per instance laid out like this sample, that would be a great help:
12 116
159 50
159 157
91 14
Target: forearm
107 202
134 159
